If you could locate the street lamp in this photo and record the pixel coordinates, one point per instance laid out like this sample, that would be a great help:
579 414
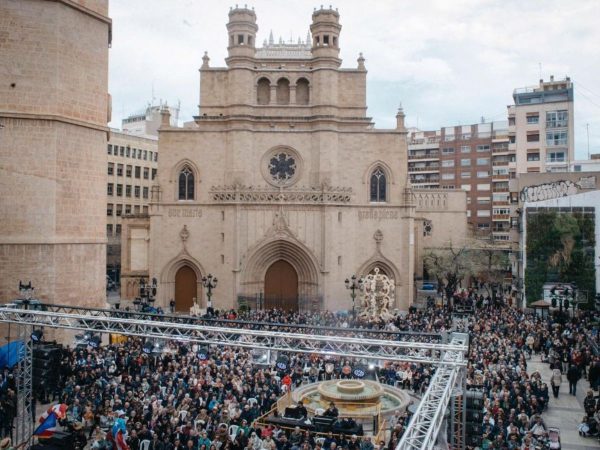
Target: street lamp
209 283
354 284
562 299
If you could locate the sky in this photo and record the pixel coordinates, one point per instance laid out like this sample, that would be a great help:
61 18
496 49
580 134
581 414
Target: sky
449 62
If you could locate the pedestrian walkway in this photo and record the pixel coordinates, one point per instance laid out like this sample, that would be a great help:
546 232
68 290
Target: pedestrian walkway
566 411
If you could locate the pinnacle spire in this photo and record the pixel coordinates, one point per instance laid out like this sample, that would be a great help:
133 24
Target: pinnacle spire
271 40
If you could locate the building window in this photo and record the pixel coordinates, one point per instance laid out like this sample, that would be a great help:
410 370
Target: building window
556 119
465 149
119 210
138 171
554 138
186 184
483 174
133 152
531 120
136 191
111 168
145 155
119 190
109 209
555 157
466 187
465 174
127 209
577 168
483 148
465 162
128 190
483 226
448 176
483 200
109 189
118 229
448 163
302 92
448 150
119 170
155 157
109 229
283 91
127 151
483 187
263 92
483 161
533 137
533 156
109 147
128 171
136 209
153 174
145 192
145 209
378 186
483 213
146 173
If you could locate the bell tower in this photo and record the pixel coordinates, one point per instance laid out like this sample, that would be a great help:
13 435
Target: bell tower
325 30
241 30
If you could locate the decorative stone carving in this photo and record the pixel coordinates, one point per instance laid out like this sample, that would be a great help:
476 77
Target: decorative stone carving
184 234
430 201
239 193
427 227
378 295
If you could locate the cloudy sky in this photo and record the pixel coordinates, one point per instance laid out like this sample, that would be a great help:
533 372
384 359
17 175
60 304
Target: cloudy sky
448 61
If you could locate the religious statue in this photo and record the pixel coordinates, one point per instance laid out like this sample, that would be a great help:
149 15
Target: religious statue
378 294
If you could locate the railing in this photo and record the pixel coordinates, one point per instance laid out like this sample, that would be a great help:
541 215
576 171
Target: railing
424 156
300 304
423 169
557 124
500 216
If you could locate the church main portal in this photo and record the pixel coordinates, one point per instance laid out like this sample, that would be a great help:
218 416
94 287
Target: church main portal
281 286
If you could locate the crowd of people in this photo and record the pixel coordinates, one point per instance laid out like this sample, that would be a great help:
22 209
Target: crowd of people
185 398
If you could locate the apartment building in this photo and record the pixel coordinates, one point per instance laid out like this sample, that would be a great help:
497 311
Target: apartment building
541 126
132 167
474 158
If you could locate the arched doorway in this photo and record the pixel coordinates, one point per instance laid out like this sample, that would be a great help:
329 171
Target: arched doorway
281 286
186 289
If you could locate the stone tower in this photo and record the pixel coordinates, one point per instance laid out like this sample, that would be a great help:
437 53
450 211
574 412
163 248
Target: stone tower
241 29
54 110
325 29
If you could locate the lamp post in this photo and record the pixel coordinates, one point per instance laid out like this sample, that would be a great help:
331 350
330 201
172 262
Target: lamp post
209 283
562 299
354 284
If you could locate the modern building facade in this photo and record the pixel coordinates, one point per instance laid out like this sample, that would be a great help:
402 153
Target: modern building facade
474 158
541 127
281 186
146 122
54 110
132 170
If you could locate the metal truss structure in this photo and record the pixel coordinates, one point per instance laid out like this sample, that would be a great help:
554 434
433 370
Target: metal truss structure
424 426
24 385
449 358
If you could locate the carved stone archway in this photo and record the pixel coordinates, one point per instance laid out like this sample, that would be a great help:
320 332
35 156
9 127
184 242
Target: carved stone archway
168 276
294 253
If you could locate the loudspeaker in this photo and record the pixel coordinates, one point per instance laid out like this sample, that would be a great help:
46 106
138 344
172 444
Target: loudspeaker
46 366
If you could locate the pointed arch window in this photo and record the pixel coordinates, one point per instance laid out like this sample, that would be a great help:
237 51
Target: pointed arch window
186 184
378 186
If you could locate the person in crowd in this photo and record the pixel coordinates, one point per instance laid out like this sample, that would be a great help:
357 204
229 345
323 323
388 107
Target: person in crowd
573 375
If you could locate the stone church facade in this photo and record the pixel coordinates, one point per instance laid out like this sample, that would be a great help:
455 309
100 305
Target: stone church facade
282 187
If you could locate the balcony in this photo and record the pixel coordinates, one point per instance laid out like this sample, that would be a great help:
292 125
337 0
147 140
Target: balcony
500 149
501 217
500 162
432 168
557 124
433 179
432 155
500 188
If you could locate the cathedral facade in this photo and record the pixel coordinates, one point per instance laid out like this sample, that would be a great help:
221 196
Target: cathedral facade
281 187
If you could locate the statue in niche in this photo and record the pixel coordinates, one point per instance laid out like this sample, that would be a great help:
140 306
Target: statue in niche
378 294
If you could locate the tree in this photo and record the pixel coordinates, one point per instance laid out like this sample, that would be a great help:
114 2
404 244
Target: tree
449 266
490 265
